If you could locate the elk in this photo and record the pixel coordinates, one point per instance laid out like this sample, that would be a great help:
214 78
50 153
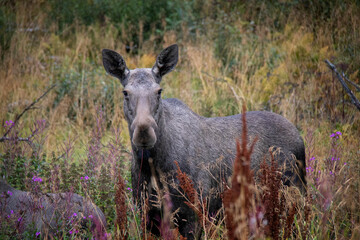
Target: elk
166 130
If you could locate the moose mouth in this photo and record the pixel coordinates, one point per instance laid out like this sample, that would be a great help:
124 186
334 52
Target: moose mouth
144 147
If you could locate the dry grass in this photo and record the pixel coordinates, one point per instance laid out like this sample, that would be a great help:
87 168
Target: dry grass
264 68
238 200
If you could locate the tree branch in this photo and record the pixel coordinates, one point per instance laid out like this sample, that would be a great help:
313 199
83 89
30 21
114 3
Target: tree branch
3 139
30 106
355 101
352 83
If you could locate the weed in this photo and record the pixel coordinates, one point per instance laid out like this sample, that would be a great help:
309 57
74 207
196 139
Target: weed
264 55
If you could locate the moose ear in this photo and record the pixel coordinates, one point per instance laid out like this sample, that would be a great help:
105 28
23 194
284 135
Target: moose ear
166 61
115 65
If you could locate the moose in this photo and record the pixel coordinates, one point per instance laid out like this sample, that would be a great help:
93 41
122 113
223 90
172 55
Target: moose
163 131
45 212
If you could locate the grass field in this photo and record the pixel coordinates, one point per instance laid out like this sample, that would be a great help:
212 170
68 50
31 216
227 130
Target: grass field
265 55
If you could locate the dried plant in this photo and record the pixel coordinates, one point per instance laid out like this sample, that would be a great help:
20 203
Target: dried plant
307 216
145 221
192 199
239 199
287 76
272 198
177 235
121 210
289 221
198 204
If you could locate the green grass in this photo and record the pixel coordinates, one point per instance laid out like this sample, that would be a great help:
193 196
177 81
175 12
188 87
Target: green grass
267 55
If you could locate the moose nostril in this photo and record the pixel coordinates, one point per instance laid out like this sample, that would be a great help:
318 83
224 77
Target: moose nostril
143 128
144 136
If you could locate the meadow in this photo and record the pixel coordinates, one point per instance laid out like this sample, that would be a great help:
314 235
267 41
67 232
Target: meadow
264 55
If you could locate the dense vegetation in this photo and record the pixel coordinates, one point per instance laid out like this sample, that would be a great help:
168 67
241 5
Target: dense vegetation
268 55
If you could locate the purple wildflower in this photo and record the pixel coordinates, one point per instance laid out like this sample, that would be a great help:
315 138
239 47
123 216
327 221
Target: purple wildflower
129 189
19 219
74 215
90 216
9 193
37 234
9 123
86 177
37 179
336 134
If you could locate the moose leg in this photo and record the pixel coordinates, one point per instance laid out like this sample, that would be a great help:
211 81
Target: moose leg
189 226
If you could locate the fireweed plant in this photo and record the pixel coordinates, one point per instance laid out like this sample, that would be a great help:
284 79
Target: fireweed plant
264 54
24 166
272 209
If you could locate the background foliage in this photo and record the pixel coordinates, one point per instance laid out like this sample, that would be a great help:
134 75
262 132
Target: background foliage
265 54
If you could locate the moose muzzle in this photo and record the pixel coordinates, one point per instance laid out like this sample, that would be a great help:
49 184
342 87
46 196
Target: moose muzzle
144 127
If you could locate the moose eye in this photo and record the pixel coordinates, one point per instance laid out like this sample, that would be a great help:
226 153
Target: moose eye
159 92
125 93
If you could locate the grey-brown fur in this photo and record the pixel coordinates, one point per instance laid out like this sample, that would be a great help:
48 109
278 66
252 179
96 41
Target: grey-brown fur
46 213
166 130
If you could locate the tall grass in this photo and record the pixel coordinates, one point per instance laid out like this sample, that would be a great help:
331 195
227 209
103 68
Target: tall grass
265 55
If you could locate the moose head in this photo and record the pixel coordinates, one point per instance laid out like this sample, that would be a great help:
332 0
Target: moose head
142 93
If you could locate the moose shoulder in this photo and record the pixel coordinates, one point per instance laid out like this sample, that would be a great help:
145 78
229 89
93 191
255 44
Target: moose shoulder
166 130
